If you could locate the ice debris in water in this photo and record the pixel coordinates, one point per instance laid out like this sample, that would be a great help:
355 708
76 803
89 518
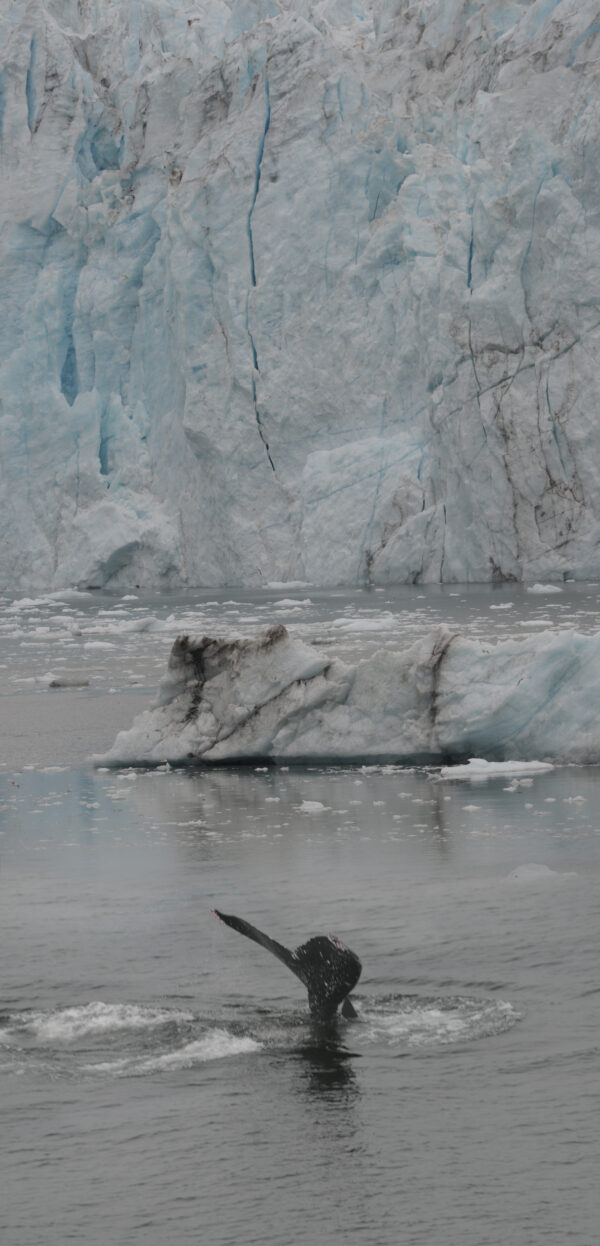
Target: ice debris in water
478 768
50 680
532 872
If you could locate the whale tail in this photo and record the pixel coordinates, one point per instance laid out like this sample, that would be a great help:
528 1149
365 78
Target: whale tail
328 969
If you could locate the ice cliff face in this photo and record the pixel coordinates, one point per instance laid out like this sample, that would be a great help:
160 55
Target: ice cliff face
299 290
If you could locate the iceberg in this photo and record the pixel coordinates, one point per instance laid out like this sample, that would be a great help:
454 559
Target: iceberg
272 697
298 291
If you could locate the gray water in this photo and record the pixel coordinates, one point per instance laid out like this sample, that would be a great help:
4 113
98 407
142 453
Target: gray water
161 1081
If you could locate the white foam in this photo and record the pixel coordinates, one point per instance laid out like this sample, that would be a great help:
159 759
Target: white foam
217 1044
437 1023
421 1026
69 1024
478 768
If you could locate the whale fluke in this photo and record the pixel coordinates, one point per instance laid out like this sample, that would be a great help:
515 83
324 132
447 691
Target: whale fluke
328 969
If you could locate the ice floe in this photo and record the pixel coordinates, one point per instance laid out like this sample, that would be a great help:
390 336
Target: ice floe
477 768
532 872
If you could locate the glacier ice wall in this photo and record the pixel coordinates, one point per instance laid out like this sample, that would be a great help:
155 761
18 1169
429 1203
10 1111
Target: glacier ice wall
298 290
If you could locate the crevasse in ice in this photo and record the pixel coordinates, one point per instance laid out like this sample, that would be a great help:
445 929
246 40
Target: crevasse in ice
297 290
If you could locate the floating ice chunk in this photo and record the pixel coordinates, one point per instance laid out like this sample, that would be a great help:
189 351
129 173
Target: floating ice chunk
293 601
50 680
544 588
69 681
478 768
124 626
312 806
66 594
245 684
273 697
382 623
532 872
39 681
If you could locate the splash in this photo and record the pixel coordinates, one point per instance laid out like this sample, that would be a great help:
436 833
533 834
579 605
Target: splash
427 1023
217 1044
70 1024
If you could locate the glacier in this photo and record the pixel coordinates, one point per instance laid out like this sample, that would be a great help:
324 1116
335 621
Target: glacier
298 291
446 697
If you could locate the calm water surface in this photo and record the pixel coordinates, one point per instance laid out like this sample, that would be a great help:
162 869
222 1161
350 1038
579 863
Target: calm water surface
161 1081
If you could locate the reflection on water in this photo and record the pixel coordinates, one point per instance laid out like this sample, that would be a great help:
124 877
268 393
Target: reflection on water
194 1056
328 1068
200 814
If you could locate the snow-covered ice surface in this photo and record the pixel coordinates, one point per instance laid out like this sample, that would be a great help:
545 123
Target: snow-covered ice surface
298 290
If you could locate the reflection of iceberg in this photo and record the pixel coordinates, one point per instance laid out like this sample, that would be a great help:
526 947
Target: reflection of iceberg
445 697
